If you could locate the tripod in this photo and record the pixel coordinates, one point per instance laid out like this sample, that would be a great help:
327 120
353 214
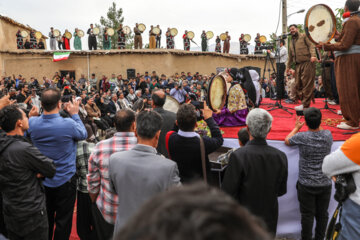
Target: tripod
277 105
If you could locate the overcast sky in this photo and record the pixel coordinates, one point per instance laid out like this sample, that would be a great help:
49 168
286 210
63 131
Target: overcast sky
235 16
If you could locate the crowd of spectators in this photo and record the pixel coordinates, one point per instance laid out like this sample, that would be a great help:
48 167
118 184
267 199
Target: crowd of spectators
139 154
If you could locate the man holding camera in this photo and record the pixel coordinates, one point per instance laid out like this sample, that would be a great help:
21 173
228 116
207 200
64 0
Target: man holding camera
302 53
281 59
346 160
178 93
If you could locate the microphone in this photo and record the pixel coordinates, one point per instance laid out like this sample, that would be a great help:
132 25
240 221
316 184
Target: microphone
348 14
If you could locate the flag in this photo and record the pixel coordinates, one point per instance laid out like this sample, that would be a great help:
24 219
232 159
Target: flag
58 56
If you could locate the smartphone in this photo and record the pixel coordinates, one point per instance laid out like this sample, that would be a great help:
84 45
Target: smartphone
201 105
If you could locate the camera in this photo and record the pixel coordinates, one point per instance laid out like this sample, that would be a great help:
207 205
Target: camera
267 47
344 186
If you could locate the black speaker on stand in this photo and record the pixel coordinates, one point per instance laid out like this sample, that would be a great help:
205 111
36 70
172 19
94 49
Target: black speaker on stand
130 73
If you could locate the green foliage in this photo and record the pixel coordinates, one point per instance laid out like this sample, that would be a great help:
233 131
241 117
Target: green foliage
113 20
339 20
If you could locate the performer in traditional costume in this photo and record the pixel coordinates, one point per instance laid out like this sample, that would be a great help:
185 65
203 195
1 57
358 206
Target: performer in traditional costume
33 42
204 44
27 44
347 62
226 47
92 38
138 38
152 40
158 38
52 39
218 44
77 40
59 41
41 44
235 110
121 37
243 45
19 40
66 41
186 41
257 43
106 40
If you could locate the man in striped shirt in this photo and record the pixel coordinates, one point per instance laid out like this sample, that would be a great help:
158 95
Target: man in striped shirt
100 191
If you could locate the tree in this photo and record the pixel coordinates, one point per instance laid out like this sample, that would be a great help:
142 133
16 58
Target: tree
339 20
113 20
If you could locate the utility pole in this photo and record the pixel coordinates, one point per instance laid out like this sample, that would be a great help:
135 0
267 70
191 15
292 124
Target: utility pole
284 16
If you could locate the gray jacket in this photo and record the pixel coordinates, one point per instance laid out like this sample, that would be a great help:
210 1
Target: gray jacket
137 175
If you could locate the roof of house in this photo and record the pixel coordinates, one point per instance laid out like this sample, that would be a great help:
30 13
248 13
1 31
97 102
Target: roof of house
13 22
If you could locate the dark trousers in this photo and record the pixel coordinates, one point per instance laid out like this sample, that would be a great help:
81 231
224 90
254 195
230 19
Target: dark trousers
60 45
60 203
102 124
40 233
103 229
158 42
314 202
280 85
84 220
92 43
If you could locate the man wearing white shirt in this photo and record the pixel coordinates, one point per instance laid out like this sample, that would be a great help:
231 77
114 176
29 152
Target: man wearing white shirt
281 59
123 102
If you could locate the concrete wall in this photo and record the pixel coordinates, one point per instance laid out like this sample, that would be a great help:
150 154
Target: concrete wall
40 64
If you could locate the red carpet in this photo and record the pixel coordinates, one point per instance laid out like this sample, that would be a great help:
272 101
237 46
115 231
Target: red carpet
284 122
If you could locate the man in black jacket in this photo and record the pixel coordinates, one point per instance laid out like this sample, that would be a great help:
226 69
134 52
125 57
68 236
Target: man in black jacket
184 145
158 100
21 168
257 173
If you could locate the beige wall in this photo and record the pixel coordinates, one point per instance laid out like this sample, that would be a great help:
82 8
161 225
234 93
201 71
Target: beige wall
8 36
39 65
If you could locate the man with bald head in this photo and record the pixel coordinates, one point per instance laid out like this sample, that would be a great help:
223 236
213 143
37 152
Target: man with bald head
169 118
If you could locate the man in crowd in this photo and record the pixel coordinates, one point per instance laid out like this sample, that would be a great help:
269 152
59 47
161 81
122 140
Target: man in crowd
56 138
141 173
302 53
23 97
158 100
347 61
93 81
178 93
22 166
281 60
102 195
184 145
313 187
270 177
198 210
346 160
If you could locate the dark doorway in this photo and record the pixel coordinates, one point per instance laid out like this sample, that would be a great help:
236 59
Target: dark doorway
63 73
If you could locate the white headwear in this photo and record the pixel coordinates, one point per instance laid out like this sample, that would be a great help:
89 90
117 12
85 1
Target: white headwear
255 78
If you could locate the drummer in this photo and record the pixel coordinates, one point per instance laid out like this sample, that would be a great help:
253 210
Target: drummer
226 47
218 44
52 39
106 40
92 38
77 40
152 41
121 37
138 38
204 43
236 108
186 41
19 40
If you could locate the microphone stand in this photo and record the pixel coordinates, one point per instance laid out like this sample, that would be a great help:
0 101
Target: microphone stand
278 104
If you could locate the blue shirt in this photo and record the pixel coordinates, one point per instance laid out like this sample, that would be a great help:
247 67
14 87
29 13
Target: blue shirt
178 94
56 138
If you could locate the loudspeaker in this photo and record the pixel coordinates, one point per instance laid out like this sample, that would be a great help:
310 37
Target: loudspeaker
130 73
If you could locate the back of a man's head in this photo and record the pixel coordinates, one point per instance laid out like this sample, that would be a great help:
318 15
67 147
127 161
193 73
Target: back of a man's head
196 212
259 123
124 119
353 5
148 123
50 98
186 118
312 117
243 136
9 116
158 98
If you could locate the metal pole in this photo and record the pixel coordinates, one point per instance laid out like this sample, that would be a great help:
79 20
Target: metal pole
284 16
